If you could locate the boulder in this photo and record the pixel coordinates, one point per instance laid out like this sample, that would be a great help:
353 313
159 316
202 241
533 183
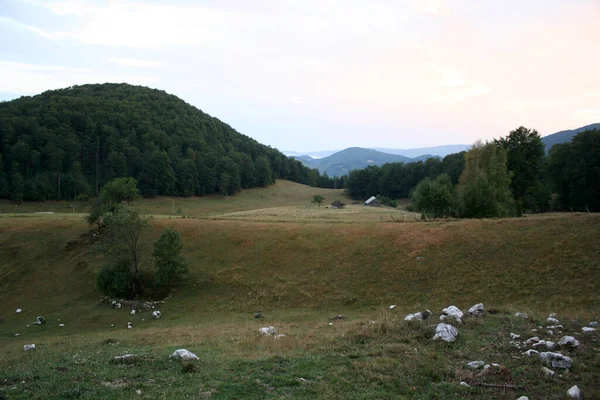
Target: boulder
445 332
553 315
61 325
531 352
593 323
125 359
465 384
556 360
568 341
588 329
392 306
477 310
452 313
574 392
532 340
156 314
552 321
475 364
184 355
550 345
523 398
268 330
521 315
418 316
548 372
19 311
129 325
132 312
40 321
28 347
514 336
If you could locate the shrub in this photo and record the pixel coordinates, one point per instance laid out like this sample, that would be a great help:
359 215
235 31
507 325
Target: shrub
170 264
115 280
435 198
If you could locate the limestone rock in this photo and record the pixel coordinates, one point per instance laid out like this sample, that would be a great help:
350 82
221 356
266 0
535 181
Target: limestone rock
445 332
132 312
183 354
593 323
552 321
574 392
61 325
568 341
477 310
268 330
532 340
514 336
548 372
156 314
531 352
475 364
40 321
418 316
521 315
129 325
279 336
28 347
124 359
452 313
259 315
465 384
19 311
588 329
523 398
556 360
392 306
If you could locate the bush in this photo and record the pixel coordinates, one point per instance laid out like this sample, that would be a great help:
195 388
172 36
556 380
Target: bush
170 264
387 201
435 198
115 280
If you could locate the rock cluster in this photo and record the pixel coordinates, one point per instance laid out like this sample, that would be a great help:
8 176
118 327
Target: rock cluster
418 316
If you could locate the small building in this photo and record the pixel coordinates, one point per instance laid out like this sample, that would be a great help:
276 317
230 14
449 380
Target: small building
372 202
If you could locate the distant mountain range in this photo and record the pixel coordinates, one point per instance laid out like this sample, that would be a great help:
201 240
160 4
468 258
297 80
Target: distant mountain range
341 162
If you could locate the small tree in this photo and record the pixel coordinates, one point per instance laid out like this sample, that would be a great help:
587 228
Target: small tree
435 198
317 198
170 263
111 196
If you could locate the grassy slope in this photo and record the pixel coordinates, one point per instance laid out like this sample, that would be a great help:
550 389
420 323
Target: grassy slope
300 274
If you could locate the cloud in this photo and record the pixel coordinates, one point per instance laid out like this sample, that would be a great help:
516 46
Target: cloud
453 84
11 23
133 62
434 7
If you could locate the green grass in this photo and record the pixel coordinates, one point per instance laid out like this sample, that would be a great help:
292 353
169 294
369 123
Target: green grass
300 274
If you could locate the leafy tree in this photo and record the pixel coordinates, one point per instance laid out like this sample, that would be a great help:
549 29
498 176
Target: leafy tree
263 171
318 199
168 260
123 244
115 280
17 187
484 186
435 197
525 157
111 196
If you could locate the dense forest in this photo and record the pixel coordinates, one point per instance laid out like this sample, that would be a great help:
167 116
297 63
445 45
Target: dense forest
69 142
506 177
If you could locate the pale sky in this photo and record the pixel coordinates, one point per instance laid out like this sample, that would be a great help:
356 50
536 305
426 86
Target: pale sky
325 74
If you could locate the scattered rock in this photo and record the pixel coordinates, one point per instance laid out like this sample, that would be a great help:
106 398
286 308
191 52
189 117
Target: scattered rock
568 341
532 340
61 325
185 355
132 312
548 372
514 336
522 315
445 332
487 366
302 380
129 325
452 313
556 360
268 330
125 359
531 352
593 323
17 334
19 311
523 398
475 364
331 324
138 392
534 330
156 314
465 384
258 315
40 321
280 336
588 329
574 392
550 345
337 318
549 333
392 306
477 310
553 321
28 347
418 316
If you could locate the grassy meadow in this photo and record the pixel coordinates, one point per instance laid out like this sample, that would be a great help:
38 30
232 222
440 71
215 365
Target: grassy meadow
269 249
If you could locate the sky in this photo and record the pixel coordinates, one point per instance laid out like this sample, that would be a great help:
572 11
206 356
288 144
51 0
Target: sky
308 75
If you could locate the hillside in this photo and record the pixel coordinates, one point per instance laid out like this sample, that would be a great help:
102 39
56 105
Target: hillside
565 136
342 162
69 142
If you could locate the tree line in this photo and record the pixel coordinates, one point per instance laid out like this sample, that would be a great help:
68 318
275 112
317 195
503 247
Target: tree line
506 177
67 143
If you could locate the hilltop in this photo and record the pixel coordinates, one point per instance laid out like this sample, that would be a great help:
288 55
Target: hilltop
566 136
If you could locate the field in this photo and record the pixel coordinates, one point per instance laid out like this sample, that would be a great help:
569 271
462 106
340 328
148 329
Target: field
271 250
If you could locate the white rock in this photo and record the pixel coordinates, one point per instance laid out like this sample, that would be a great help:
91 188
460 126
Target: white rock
549 333
279 336
531 352
392 306
496 365
112 325
588 329
521 315
568 341
514 336
445 332
19 311
534 330
553 315
523 398
118 305
61 325
465 384
548 372
138 392
331 324
28 347
129 325
418 316
185 355
127 358
574 392
132 312
268 330
475 364
477 310
487 366
534 339
539 344
17 334
553 321
39 320
550 345
452 313
593 323
556 360
156 314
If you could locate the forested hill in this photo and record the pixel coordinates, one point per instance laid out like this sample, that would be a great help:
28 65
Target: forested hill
67 142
